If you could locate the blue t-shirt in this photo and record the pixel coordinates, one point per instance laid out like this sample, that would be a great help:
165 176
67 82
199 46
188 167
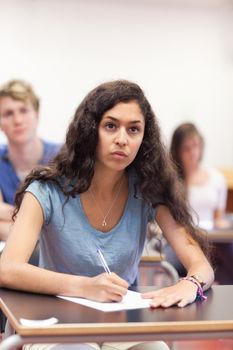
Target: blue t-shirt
68 242
9 181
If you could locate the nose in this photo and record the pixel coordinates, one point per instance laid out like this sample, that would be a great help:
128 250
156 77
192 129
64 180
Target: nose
17 117
121 137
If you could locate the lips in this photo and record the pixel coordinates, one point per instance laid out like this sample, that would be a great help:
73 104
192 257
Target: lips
19 130
119 153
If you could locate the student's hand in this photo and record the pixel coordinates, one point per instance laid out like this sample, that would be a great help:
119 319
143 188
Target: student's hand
106 287
180 294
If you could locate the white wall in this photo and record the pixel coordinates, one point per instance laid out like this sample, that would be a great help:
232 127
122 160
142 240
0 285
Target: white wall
180 52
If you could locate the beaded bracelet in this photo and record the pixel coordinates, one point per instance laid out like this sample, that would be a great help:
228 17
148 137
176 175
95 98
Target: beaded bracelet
200 292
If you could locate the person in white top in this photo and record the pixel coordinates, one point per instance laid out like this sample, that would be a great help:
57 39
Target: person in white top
208 199
206 187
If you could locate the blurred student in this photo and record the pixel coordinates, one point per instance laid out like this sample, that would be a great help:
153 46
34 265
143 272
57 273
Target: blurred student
19 116
206 186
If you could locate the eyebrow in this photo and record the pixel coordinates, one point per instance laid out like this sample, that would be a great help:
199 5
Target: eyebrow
117 120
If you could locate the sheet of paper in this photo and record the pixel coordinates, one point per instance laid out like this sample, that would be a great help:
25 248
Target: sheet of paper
132 300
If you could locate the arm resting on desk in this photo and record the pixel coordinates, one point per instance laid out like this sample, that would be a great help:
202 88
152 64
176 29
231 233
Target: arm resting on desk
190 255
14 266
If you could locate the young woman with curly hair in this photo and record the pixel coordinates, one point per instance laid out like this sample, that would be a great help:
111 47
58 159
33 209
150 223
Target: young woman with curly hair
111 178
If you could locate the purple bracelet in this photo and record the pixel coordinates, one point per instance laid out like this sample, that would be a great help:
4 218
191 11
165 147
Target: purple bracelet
200 292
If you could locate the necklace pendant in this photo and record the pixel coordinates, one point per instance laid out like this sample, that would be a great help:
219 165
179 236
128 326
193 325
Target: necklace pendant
104 223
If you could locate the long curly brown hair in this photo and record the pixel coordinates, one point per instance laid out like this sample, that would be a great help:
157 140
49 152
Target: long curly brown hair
157 178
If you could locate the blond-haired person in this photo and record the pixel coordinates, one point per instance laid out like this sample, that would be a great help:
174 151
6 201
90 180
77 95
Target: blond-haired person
19 116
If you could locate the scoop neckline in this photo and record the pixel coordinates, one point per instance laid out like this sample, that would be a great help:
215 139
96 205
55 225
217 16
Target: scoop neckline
121 218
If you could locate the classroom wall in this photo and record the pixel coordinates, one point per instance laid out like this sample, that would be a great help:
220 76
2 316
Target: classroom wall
180 52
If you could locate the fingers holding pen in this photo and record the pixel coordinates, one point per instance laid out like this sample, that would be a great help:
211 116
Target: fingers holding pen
107 287
115 279
115 284
111 286
116 289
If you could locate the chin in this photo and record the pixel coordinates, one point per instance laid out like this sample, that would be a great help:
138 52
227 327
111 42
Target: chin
20 140
117 166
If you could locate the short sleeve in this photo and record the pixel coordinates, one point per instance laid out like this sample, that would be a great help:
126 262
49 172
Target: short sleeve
222 191
41 191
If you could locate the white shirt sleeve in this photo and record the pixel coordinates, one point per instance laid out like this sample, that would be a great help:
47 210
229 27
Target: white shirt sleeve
210 196
222 190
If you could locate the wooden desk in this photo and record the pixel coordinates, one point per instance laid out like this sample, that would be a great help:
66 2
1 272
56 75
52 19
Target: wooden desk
220 235
201 320
228 174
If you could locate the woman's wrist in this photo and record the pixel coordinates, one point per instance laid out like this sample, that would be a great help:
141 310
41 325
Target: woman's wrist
199 280
77 286
200 292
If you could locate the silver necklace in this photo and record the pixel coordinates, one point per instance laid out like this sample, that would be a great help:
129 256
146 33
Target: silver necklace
104 216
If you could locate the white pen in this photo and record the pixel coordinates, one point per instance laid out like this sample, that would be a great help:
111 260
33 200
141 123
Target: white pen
103 261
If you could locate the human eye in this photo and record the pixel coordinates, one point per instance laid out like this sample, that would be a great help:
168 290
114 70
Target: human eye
7 114
110 126
24 110
134 129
